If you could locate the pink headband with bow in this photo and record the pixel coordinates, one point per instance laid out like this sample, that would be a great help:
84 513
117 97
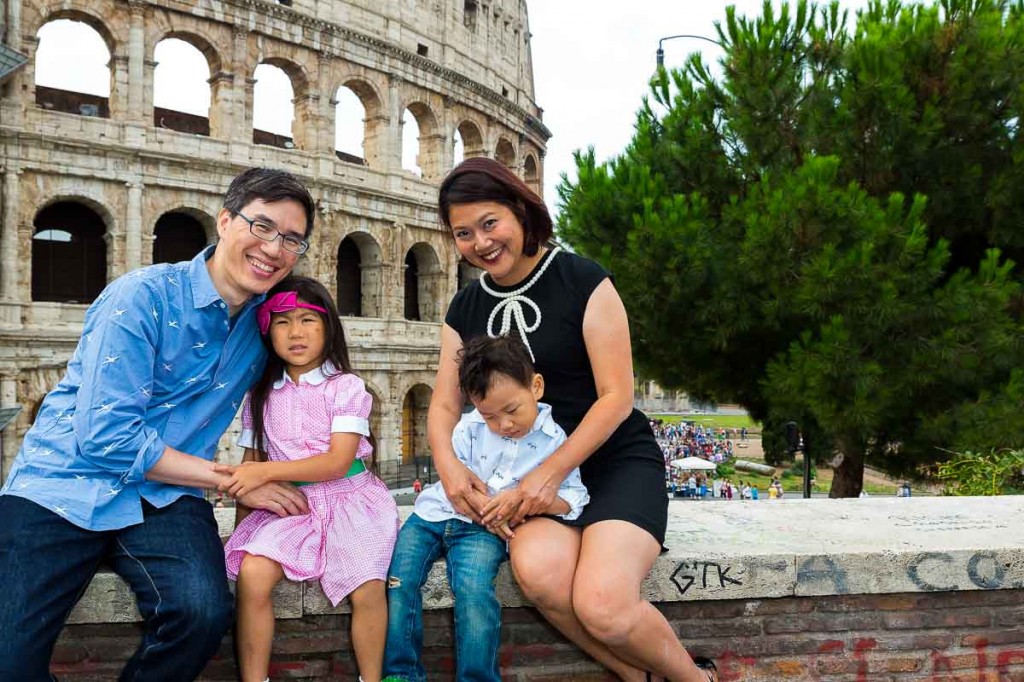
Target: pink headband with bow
281 302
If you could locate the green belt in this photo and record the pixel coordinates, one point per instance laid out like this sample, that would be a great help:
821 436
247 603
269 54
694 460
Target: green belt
357 468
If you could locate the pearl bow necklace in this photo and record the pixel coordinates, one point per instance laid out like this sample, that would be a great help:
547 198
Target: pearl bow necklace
511 306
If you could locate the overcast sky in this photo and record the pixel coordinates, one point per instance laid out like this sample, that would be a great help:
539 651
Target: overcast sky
592 60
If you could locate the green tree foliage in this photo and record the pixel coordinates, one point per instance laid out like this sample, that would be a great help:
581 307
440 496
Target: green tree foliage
997 473
827 231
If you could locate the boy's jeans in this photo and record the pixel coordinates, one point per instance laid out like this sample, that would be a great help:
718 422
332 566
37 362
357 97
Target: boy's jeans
473 556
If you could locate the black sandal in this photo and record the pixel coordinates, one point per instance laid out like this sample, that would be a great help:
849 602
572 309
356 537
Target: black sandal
703 663
707 665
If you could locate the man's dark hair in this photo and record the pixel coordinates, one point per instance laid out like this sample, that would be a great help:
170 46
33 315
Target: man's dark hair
271 186
480 179
483 358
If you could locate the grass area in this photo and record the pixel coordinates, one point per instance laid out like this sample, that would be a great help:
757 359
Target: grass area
718 421
793 482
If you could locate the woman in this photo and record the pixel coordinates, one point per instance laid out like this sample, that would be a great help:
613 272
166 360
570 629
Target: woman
583 576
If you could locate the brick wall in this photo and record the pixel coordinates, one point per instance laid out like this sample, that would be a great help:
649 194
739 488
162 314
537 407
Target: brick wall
951 636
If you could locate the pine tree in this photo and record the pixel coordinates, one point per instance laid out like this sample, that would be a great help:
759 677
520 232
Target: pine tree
827 232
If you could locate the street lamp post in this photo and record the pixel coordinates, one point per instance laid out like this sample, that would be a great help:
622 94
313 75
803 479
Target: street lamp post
661 52
794 442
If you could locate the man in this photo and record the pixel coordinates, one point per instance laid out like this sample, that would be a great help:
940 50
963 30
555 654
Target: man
111 470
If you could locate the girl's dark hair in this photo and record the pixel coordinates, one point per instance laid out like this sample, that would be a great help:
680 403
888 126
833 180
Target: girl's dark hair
482 179
483 358
335 350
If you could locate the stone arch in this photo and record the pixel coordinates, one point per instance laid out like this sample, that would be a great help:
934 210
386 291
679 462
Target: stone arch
299 83
85 12
414 423
360 276
194 36
69 250
68 98
531 173
505 152
179 235
173 117
429 153
472 138
374 131
423 284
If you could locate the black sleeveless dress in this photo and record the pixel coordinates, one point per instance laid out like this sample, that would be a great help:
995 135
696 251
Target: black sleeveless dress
626 475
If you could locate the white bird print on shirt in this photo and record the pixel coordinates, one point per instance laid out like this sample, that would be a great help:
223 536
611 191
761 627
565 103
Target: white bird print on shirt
106 450
173 324
201 344
145 391
169 405
112 492
118 312
110 359
62 511
172 281
105 407
156 316
220 386
192 380
167 367
79 477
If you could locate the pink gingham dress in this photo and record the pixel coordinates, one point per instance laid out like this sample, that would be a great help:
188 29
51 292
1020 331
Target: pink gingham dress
349 533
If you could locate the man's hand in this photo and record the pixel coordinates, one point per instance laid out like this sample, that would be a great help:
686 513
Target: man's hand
282 499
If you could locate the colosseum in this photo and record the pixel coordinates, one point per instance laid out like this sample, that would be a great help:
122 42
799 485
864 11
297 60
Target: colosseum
94 186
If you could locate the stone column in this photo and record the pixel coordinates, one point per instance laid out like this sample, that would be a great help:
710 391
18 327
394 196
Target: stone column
240 121
120 87
136 65
393 144
133 227
224 106
9 260
9 398
306 128
13 38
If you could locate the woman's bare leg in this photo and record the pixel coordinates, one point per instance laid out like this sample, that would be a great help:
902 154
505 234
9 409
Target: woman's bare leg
544 555
614 559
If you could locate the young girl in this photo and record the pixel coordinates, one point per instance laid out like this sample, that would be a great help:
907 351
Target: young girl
305 421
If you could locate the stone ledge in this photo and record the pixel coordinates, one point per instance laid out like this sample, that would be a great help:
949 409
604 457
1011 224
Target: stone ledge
750 550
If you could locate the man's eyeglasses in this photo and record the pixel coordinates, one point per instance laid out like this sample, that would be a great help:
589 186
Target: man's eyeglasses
268 234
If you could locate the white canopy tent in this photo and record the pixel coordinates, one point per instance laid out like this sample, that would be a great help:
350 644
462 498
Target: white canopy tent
693 464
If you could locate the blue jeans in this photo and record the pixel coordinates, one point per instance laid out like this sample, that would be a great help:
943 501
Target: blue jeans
173 561
473 556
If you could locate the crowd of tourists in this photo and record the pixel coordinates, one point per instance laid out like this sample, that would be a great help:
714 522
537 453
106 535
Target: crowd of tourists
570 490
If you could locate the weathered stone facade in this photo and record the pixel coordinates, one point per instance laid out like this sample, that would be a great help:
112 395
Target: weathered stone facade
457 65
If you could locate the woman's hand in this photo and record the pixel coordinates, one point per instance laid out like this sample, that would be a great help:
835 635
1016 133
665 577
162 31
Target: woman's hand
462 486
537 491
501 509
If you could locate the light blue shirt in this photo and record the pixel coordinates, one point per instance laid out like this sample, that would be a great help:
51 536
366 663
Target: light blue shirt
160 363
502 462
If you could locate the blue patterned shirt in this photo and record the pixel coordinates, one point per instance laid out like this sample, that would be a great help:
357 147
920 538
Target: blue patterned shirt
160 363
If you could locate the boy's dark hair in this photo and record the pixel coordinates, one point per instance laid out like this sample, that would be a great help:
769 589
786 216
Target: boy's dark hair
482 358
482 179
335 350
270 185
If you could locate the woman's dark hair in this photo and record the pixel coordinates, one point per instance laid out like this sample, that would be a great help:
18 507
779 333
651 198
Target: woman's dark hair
483 358
270 185
335 350
482 179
